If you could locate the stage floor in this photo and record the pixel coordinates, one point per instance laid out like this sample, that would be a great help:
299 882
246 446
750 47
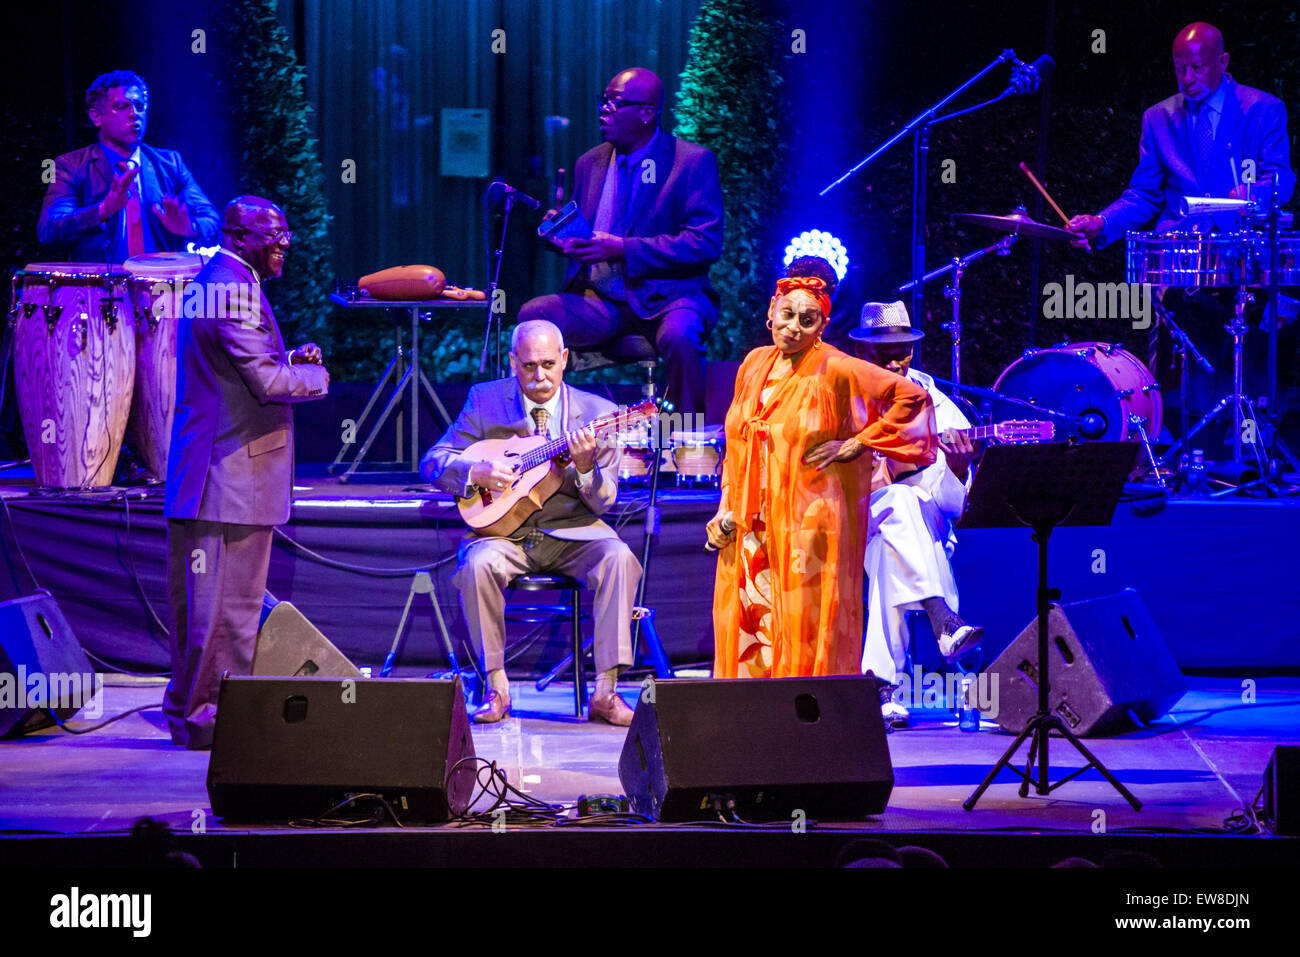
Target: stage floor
1198 766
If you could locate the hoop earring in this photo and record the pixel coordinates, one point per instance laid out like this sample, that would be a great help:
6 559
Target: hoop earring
769 324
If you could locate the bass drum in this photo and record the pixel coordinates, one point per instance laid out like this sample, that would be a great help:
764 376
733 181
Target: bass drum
1103 391
74 369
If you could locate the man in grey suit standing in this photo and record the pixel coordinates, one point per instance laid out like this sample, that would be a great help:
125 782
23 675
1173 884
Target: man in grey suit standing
565 535
230 467
655 206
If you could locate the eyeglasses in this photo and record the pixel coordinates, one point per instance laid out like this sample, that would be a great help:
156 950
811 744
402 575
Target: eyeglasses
612 104
280 236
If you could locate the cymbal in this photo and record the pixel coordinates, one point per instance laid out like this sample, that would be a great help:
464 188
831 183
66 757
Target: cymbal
1019 223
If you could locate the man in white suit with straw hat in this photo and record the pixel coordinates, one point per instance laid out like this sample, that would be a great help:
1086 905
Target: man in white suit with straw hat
910 539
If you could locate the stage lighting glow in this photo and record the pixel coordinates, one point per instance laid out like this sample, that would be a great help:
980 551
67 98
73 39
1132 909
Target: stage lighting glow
818 242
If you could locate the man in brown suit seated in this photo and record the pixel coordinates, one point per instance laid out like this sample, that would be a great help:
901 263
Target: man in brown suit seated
230 467
564 536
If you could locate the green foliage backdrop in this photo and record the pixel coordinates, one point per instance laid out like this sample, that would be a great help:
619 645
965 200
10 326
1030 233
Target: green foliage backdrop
728 102
279 159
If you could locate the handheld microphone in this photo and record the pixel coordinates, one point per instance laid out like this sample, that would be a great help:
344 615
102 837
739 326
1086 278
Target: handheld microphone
728 525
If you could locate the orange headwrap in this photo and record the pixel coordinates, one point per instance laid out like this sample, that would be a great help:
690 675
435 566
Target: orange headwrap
811 283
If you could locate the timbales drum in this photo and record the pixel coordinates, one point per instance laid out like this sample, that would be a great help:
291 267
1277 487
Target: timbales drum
698 456
1191 259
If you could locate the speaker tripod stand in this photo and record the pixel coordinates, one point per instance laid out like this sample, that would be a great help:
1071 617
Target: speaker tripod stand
1044 487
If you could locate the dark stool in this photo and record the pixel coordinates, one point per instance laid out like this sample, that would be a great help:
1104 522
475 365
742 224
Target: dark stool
546 613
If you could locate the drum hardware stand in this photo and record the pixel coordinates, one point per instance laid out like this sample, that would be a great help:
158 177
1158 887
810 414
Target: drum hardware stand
952 291
1139 423
1043 487
1186 351
1241 407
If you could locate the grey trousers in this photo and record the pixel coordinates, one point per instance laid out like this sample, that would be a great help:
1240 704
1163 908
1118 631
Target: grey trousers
216 576
605 565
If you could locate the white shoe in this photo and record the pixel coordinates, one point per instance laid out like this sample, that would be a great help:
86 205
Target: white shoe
959 638
895 715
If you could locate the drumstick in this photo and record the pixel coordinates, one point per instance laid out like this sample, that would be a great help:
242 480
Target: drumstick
1034 179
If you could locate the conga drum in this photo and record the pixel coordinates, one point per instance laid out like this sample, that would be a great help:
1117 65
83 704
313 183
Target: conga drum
156 290
74 369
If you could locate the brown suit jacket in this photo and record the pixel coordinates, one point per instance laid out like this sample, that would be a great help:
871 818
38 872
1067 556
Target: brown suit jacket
495 410
231 457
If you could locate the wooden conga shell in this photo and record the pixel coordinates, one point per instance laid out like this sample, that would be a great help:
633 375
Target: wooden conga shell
74 370
157 282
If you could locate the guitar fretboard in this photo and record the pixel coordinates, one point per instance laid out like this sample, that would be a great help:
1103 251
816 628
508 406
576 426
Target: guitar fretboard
613 422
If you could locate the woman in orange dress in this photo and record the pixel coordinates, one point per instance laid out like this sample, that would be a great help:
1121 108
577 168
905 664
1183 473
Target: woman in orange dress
791 526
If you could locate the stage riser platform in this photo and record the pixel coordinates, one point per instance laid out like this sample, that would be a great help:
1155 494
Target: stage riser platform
1216 577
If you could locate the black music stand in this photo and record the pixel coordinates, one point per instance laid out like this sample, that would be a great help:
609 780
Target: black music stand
1045 486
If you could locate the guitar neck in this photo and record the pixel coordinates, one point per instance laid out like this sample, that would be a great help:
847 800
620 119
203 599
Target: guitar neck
613 422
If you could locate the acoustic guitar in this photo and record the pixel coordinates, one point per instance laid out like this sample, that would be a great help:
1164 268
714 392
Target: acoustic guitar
538 464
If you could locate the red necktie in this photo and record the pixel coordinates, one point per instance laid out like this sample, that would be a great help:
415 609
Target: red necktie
134 223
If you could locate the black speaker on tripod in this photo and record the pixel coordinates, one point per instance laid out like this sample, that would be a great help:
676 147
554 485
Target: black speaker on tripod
757 749
1110 665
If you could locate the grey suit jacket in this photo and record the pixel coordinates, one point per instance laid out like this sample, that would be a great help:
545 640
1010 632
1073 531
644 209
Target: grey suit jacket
674 226
231 457
1251 127
495 410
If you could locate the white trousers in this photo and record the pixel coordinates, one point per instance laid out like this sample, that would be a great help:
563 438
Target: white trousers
907 560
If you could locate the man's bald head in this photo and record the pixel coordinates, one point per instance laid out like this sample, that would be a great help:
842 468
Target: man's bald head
255 229
247 211
642 84
1199 60
1207 35
630 108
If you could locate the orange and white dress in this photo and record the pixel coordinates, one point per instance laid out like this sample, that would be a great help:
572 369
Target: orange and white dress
787 597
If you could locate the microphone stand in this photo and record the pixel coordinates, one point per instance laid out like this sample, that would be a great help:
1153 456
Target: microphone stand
1274 280
919 126
494 318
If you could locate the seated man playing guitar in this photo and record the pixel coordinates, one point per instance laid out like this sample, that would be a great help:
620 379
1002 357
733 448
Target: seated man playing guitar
909 531
564 535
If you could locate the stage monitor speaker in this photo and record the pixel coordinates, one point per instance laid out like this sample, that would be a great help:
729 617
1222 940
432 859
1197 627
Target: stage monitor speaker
1282 789
775 747
42 666
288 644
288 748
1109 665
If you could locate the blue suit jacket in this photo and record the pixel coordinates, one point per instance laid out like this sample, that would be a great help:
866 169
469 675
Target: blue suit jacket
70 221
674 226
1252 126
231 456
